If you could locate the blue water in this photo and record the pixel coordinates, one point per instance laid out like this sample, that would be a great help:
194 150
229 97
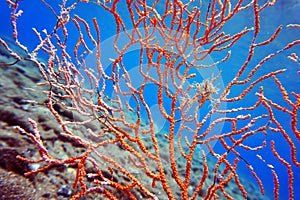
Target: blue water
282 13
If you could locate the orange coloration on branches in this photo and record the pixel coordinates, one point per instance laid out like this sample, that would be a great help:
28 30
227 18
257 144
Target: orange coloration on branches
175 42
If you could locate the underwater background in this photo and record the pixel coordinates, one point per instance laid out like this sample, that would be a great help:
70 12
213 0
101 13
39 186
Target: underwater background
37 15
